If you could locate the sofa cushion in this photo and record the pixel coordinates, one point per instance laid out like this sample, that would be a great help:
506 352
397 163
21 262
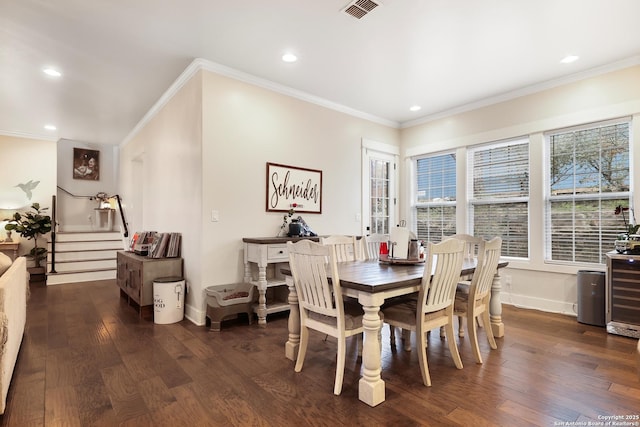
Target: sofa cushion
5 263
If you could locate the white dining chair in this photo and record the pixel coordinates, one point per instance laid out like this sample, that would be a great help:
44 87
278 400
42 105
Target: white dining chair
321 304
471 250
345 247
371 245
434 305
473 302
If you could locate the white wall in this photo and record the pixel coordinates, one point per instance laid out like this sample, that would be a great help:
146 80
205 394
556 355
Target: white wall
207 149
534 283
161 180
25 160
244 127
77 213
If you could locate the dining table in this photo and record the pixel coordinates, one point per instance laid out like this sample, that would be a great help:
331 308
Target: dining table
372 282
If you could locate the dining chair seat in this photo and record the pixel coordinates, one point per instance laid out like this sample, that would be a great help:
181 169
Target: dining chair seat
352 317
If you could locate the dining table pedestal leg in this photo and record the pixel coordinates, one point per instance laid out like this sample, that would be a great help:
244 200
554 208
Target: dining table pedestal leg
495 307
292 344
371 388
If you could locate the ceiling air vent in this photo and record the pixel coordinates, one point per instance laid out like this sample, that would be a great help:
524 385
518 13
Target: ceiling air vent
360 8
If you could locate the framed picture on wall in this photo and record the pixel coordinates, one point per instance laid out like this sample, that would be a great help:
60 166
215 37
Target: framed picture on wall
293 187
86 164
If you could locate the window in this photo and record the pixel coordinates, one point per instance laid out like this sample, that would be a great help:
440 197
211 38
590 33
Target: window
435 198
499 194
588 176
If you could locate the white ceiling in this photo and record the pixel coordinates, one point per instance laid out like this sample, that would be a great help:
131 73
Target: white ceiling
119 57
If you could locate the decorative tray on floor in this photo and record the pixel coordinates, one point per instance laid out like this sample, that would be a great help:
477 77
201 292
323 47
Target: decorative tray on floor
400 261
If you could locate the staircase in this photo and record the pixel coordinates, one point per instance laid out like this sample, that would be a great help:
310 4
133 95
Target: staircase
84 256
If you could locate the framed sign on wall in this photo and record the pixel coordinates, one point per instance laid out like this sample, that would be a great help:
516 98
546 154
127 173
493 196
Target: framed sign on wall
287 185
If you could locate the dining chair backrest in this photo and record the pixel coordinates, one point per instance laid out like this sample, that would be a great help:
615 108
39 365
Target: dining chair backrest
486 268
442 272
472 245
309 269
345 247
371 245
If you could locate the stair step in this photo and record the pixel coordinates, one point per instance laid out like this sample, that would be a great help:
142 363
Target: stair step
88 245
77 236
84 254
85 265
80 276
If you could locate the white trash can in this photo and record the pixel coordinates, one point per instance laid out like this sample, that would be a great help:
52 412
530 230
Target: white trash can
168 300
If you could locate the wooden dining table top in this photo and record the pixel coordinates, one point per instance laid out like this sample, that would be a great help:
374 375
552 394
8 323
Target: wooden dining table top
373 276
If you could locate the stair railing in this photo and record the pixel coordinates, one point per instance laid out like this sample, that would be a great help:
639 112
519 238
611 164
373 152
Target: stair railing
54 224
115 196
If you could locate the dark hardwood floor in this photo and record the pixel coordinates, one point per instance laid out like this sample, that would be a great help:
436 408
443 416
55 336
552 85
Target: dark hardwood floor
87 359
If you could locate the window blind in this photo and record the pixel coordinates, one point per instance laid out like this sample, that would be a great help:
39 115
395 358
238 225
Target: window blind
499 194
588 177
435 197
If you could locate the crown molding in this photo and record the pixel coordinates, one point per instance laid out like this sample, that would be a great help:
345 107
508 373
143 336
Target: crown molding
48 138
203 64
527 90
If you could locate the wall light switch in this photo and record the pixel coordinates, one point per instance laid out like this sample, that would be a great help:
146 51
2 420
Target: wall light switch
215 216
358 217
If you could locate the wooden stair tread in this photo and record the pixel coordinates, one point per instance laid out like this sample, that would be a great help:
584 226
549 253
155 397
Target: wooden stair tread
80 271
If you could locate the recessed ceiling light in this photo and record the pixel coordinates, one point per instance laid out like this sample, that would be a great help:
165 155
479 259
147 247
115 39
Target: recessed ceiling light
50 127
569 59
52 72
415 108
289 57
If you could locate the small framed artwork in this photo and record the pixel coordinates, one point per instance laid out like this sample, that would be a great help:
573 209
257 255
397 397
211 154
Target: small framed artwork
293 187
86 164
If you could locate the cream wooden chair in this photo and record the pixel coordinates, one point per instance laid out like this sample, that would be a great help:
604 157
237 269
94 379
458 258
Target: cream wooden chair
321 304
472 245
474 302
345 247
434 306
471 250
371 245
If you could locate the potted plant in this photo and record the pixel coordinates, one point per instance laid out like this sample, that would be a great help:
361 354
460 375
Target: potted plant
31 225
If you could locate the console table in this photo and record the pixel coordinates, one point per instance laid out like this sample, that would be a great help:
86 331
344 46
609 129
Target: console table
11 248
263 251
135 276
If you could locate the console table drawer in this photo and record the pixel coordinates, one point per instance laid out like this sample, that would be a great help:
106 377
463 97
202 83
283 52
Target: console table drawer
277 253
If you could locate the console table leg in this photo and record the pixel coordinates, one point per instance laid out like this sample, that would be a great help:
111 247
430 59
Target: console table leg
291 346
261 310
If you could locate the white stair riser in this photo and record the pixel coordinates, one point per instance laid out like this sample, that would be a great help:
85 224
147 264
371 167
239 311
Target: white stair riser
58 279
80 246
84 265
82 255
78 237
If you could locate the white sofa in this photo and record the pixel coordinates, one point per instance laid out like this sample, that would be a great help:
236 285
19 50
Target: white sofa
14 289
